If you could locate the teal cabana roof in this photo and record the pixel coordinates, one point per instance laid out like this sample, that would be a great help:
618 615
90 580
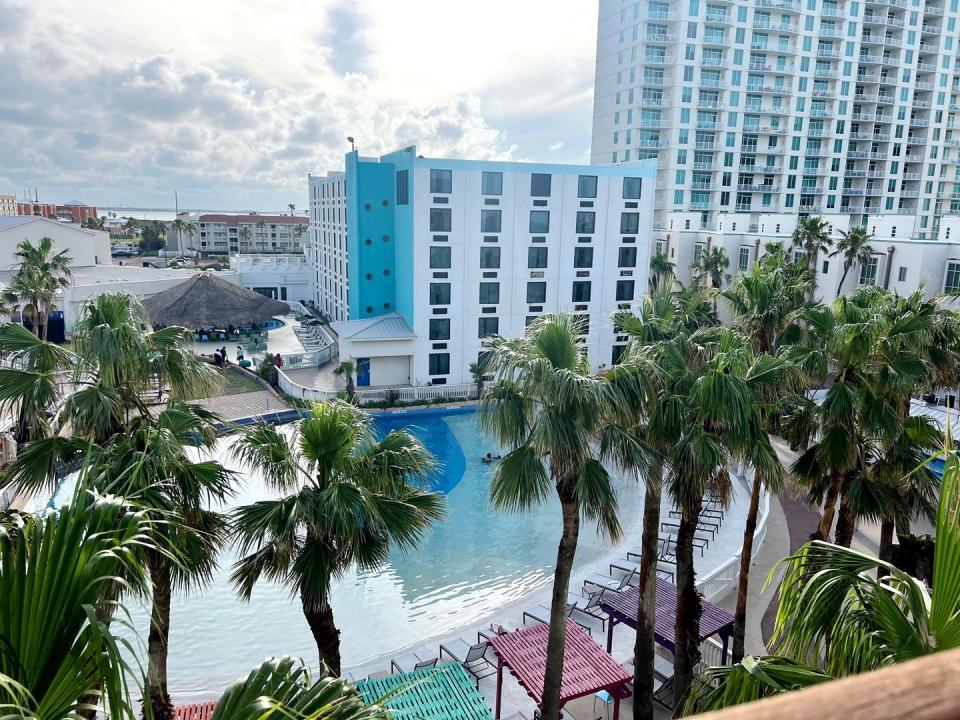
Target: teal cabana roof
442 693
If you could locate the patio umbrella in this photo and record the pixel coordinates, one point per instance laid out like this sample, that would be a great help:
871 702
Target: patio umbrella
206 300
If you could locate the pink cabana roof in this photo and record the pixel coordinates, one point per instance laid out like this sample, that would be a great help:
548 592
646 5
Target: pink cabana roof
199 711
587 668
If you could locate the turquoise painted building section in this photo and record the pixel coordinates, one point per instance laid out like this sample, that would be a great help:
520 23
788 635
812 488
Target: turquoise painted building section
379 237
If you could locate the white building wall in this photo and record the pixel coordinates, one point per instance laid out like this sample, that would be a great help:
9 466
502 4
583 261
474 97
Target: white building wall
85 247
465 274
290 276
327 244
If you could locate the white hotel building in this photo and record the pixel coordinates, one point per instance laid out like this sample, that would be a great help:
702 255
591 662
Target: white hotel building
418 259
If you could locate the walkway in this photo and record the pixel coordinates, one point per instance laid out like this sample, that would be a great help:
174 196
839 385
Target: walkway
243 405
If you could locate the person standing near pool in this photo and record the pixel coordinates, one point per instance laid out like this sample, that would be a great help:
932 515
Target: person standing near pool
239 354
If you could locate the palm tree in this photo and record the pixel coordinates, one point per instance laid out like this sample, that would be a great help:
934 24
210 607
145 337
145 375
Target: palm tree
283 686
837 618
711 267
661 269
245 234
350 497
150 464
179 225
42 273
261 234
346 369
663 315
854 247
292 207
549 410
812 235
56 657
298 230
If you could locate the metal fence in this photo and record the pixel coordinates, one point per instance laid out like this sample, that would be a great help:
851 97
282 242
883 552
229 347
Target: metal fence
400 394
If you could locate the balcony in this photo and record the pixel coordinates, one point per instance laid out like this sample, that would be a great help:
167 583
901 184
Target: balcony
759 46
712 62
743 207
650 123
828 11
919 122
760 169
930 30
868 78
715 39
913 158
782 27
866 59
830 54
912 176
765 89
878 156
760 67
817 132
718 17
864 97
871 19
887 99
858 154
830 33
811 190
709 83
662 15
749 187
876 174
787 5
824 94
920 104
820 113
706 166
661 37
702 186
933 10
873 191
824 73
849 172
909 193
710 104
926 67
653 144
916 140
815 152
658 60
701 205
653 81
706 145
852 192
928 48
923 85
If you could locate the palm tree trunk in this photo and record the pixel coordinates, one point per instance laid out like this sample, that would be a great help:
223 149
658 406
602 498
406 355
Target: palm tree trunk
887 528
846 522
829 508
842 278
643 648
687 628
158 642
553 673
746 555
319 617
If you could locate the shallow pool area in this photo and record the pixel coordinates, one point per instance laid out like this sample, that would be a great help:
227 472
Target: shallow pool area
473 563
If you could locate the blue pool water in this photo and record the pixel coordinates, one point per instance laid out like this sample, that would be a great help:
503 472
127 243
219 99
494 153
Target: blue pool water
273 324
471 564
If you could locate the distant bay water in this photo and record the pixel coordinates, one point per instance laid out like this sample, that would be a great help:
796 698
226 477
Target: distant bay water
168 214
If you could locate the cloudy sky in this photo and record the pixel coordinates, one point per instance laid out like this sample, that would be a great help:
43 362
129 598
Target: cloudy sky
233 102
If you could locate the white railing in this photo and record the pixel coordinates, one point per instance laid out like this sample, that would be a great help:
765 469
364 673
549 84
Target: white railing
721 580
465 391
314 358
300 392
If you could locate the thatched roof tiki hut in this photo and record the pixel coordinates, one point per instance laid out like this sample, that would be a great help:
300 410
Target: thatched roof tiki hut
206 300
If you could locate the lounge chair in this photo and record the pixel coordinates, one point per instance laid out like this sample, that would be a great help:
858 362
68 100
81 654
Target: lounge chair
629 566
541 614
590 605
486 634
703 526
411 662
606 582
472 657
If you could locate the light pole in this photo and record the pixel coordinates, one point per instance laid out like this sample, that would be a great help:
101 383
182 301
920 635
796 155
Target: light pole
352 146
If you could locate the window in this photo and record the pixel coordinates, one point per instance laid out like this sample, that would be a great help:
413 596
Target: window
624 290
586 222
540 185
631 188
743 261
537 257
440 219
439 328
403 187
540 221
441 182
490 258
627 257
439 293
583 257
581 291
587 186
952 282
902 274
617 354
490 221
868 272
536 292
439 363
489 293
629 223
491 183
439 257
487 326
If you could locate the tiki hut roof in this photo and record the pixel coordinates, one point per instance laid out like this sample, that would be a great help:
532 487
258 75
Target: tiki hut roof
206 300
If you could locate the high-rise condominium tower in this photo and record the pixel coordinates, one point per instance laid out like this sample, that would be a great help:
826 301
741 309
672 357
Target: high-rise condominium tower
784 106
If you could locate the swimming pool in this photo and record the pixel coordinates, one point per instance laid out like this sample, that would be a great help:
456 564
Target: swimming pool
273 324
471 564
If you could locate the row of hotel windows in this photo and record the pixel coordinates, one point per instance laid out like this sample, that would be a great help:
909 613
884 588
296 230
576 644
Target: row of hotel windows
440 257
491 183
489 293
491 221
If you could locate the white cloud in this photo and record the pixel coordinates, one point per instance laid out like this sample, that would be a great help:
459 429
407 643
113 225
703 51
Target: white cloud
233 103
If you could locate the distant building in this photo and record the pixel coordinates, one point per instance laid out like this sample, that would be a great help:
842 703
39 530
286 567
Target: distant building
247 234
72 212
8 204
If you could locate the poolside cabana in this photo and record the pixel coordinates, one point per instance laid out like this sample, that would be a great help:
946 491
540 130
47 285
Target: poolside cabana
198 711
622 608
206 300
587 669
442 693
